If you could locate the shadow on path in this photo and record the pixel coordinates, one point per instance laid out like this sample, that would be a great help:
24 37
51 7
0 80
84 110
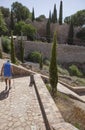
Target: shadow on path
4 94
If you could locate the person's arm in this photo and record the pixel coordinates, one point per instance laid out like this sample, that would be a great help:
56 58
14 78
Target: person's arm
12 70
2 70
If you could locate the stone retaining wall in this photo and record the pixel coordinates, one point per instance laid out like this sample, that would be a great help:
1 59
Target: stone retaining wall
52 114
66 53
20 71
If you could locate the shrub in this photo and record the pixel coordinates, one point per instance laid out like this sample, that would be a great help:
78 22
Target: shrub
46 61
74 71
6 44
81 34
62 71
34 57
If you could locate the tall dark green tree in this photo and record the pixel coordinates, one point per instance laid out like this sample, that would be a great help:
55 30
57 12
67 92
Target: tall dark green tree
60 13
48 31
33 15
21 49
41 62
70 34
53 72
12 21
50 17
54 15
13 59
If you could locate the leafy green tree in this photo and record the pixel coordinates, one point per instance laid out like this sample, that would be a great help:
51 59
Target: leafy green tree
78 18
13 59
5 11
3 28
60 13
27 29
30 31
33 15
53 72
67 20
21 49
18 27
70 34
48 31
81 34
54 15
40 18
21 12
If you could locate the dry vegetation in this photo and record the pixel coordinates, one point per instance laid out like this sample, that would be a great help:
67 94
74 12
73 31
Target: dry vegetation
70 112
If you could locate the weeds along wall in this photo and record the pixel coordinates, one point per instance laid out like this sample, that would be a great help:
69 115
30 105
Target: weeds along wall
66 53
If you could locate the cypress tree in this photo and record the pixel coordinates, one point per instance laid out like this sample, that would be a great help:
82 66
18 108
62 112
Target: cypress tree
54 15
21 49
41 62
12 21
53 73
60 13
70 34
13 59
48 32
33 15
50 19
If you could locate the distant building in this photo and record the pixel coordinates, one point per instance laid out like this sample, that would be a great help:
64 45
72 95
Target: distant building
14 37
19 37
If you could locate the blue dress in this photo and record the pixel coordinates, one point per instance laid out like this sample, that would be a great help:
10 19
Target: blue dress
7 70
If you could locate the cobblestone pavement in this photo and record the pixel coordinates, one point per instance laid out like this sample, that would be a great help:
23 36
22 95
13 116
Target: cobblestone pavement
19 108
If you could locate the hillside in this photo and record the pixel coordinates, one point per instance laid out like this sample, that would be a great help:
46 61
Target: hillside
62 31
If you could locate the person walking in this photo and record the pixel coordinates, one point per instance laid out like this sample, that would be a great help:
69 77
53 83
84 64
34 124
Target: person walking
7 71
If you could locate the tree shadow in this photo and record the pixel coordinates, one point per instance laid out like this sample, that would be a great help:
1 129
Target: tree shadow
4 94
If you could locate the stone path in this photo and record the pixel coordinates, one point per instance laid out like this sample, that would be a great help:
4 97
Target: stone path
19 108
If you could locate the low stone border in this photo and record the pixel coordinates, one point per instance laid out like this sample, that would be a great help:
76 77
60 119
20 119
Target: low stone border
74 89
52 114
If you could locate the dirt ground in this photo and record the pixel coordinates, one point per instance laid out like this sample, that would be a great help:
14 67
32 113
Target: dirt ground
72 110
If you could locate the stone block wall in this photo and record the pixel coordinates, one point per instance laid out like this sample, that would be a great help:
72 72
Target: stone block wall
66 53
20 71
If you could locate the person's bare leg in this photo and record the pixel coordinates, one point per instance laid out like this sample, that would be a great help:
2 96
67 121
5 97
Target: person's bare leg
6 83
9 83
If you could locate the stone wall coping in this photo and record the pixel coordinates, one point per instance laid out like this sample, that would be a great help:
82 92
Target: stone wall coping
53 114
75 89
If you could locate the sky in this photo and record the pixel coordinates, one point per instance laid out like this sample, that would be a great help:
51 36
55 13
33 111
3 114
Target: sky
44 6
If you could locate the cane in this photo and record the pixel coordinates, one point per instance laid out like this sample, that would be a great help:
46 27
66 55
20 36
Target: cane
13 81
